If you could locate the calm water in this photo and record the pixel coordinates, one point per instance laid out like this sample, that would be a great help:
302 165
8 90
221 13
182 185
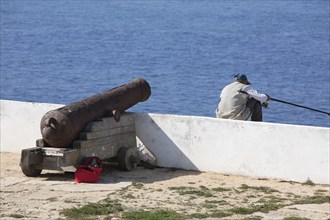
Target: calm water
63 51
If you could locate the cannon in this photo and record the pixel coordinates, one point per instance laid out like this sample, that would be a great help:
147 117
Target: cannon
95 126
60 127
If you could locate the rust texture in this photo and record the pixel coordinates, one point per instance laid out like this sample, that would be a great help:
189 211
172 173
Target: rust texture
60 127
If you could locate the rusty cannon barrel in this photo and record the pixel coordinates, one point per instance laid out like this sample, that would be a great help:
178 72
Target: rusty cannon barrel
60 127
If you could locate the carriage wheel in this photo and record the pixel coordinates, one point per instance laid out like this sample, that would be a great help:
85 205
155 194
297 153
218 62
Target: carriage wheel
126 158
30 170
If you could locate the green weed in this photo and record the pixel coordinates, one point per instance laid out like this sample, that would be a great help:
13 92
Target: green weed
316 199
271 199
160 214
104 207
265 208
264 189
16 216
220 189
209 206
252 218
295 218
183 190
137 185
219 202
51 199
309 182
199 215
129 196
219 214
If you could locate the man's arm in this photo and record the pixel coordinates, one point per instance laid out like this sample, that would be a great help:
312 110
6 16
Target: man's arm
254 94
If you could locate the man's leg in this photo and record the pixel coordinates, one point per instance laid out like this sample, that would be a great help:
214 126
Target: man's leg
255 109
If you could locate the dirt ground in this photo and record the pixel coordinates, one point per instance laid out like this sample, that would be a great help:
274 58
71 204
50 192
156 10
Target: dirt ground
192 195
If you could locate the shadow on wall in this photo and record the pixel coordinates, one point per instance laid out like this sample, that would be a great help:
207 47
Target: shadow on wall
153 137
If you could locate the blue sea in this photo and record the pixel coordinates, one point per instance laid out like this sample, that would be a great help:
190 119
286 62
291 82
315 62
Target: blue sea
62 51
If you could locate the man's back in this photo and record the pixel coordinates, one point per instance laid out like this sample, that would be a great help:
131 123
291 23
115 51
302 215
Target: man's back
233 103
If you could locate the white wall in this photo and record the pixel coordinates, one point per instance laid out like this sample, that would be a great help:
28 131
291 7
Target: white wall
20 124
267 150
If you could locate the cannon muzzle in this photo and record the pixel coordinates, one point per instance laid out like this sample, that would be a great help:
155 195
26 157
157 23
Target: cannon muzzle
60 127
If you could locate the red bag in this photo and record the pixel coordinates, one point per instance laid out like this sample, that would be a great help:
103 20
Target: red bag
89 171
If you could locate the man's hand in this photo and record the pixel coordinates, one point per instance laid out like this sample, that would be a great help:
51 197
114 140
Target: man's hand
265 105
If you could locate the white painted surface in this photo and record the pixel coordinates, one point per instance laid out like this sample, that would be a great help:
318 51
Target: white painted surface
265 150
20 124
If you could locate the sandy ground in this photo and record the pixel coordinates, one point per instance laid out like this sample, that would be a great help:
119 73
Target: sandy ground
192 194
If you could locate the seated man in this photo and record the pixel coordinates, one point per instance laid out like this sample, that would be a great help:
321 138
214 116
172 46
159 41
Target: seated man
239 101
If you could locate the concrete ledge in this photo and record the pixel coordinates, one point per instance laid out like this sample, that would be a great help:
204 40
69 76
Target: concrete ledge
266 150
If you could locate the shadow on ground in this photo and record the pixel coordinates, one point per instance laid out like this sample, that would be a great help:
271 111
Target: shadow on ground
111 174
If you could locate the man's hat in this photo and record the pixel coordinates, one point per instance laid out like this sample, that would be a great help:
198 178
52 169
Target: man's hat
241 77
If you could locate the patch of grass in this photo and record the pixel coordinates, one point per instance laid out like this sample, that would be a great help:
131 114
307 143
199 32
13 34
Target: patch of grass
16 216
243 210
129 196
199 215
70 201
203 187
104 207
265 208
51 199
181 188
219 214
184 190
271 199
192 197
212 214
251 196
209 206
160 214
219 202
295 218
290 194
321 191
137 185
221 189
253 218
309 182
293 208
264 189
316 199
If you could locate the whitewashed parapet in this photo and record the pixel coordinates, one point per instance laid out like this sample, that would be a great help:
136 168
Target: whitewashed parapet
20 123
267 150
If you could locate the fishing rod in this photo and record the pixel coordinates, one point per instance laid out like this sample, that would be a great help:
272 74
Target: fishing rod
301 106
290 103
